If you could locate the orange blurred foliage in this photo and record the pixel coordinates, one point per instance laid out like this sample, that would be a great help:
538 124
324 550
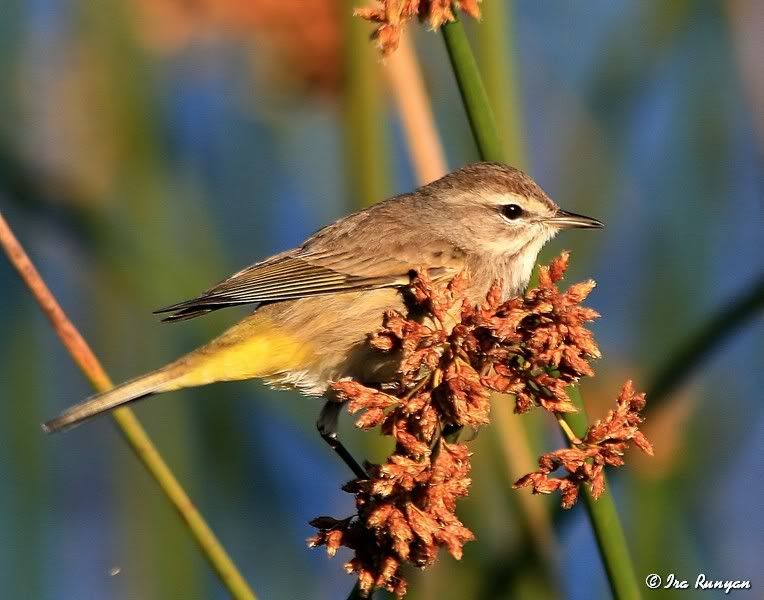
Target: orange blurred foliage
304 36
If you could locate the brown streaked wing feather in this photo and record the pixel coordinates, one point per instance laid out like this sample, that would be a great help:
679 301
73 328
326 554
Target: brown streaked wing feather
301 273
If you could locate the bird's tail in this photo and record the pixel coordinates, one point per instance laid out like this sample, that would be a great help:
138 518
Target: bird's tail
253 347
155 382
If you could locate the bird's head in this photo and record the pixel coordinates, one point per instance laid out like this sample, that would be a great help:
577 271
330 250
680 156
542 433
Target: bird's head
495 209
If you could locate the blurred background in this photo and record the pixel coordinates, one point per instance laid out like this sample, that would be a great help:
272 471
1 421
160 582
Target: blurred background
148 148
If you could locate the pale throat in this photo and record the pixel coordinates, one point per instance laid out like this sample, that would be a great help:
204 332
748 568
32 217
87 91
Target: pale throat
517 273
516 268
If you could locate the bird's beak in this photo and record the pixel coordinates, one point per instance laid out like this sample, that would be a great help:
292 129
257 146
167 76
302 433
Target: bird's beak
568 220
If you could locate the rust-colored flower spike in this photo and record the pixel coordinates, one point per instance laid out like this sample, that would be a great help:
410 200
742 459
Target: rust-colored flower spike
392 15
604 444
533 346
536 345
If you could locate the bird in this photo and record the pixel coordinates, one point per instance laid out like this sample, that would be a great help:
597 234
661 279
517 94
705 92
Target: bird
316 305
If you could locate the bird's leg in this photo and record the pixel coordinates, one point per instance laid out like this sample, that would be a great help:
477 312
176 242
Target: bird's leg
327 427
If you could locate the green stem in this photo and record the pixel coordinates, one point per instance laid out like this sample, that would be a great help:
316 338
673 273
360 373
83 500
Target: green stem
474 95
608 530
363 112
495 52
128 424
602 514
702 342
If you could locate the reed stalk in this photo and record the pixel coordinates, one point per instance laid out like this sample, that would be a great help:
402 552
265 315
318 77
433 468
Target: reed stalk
363 112
517 437
602 513
702 342
405 81
128 424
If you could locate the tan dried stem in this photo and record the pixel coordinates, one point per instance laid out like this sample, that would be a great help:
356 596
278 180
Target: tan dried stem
129 426
404 78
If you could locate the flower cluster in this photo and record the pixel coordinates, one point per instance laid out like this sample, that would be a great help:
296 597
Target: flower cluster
406 507
406 511
392 15
603 444
536 345
451 357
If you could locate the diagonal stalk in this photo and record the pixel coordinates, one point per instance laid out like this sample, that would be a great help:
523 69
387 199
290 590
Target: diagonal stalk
128 424
475 98
602 513
718 327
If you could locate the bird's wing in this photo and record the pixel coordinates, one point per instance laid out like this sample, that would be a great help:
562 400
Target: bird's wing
319 271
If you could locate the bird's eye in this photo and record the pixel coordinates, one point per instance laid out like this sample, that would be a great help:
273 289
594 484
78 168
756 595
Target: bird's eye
511 211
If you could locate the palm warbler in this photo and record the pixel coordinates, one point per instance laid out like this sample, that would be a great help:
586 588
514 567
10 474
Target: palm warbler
315 305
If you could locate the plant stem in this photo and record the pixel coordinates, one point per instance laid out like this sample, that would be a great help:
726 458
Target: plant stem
365 139
404 78
602 514
363 111
474 96
520 457
126 421
608 530
495 52
702 342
